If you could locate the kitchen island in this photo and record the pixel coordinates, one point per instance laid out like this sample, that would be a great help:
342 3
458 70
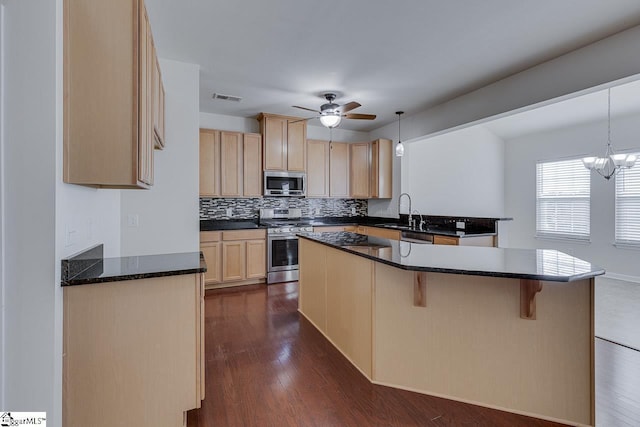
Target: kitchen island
510 329
133 339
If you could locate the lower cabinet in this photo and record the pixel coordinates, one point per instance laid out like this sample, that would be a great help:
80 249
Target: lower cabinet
235 257
335 228
378 232
465 241
133 350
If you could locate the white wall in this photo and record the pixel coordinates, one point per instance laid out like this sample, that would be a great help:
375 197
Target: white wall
241 124
521 155
457 174
610 59
2 247
168 212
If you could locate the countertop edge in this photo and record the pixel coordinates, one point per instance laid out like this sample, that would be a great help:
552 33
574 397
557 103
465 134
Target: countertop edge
563 279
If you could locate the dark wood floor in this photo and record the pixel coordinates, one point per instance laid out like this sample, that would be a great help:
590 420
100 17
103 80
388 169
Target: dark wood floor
268 366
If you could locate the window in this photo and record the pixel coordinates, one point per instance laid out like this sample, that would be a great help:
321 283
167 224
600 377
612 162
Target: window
562 199
628 206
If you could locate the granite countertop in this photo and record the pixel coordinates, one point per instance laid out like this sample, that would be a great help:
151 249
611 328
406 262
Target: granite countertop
390 223
531 264
90 267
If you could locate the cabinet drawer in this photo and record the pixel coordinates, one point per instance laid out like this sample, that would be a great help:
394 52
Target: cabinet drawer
445 240
243 234
210 236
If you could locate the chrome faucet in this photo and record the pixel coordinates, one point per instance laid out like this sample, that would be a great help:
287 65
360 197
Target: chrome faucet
422 222
399 199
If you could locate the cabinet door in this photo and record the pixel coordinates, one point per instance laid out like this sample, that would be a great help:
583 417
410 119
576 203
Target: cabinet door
213 258
296 146
252 165
275 143
317 168
256 259
231 164
209 163
381 169
339 170
145 131
233 261
360 168
158 104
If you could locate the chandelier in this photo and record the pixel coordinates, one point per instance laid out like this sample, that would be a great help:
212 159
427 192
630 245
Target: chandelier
609 165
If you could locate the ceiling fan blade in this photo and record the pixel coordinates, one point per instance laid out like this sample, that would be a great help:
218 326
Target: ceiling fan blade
305 108
304 120
350 106
360 116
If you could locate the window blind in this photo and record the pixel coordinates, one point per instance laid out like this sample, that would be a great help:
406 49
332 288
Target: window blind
563 192
628 206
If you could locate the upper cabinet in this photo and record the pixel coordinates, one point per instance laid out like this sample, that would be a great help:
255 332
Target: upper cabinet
327 169
158 106
110 76
360 170
284 142
230 164
381 169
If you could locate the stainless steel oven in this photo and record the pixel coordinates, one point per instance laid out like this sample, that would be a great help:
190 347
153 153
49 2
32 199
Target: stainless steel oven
282 243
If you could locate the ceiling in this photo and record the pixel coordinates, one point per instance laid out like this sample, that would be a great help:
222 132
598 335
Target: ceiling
625 101
401 55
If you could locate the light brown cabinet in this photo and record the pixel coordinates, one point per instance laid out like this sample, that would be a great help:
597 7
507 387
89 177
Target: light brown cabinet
109 66
339 170
158 105
252 170
318 174
360 168
209 163
126 332
327 169
378 232
465 241
230 164
210 247
381 169
284 142
235 257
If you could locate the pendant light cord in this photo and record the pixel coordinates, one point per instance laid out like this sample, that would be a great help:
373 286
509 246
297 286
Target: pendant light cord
609 119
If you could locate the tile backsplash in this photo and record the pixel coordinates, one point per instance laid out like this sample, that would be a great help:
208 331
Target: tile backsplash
248 208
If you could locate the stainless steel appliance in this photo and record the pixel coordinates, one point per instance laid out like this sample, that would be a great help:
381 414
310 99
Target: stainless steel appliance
282 242
285 183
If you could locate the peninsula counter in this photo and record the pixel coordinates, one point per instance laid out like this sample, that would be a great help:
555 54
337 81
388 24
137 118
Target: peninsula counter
510 329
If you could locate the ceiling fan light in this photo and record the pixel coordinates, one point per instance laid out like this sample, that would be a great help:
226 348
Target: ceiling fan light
330 120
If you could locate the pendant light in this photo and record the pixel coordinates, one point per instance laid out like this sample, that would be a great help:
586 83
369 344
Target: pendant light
609 165
399 146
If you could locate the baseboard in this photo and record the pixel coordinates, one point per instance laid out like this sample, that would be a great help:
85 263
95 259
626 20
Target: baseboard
622 277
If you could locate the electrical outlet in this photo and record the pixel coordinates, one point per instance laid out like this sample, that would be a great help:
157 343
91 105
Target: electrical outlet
317 211
69 236
353 210
460 225
229 212
132 220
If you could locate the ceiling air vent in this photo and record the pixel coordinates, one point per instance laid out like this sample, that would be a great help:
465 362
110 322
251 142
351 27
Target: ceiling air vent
226 97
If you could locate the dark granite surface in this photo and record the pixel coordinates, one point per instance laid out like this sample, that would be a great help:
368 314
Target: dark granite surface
76 270
228 224
532 264
443 226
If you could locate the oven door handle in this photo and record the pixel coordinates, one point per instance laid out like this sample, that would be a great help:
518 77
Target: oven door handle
282 237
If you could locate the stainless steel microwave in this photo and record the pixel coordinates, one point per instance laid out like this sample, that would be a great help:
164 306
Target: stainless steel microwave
285 183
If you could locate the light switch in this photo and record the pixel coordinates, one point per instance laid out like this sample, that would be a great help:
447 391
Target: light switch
132 220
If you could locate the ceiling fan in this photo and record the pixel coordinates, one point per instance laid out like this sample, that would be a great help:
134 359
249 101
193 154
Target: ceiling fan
331 114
